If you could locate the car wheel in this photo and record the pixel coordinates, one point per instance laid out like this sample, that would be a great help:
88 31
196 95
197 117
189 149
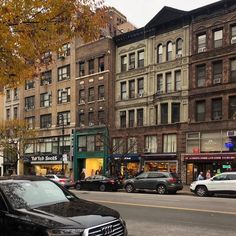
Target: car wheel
161 189
201 191
129 188
78 186
102 187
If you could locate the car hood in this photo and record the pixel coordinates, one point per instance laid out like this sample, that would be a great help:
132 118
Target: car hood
75 213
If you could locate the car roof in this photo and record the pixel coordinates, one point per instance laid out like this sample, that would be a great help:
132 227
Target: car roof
23 177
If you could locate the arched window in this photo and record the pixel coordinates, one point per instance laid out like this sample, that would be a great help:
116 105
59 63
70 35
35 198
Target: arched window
159 53
169 51
179 47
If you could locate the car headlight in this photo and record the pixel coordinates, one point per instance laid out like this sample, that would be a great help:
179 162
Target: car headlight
65 232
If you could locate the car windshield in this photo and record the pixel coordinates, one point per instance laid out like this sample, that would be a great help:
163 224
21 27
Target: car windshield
24 194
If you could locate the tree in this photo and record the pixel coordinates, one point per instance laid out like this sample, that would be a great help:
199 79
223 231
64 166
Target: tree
15 138
30 28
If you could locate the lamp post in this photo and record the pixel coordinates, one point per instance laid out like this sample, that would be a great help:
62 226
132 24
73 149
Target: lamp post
61 122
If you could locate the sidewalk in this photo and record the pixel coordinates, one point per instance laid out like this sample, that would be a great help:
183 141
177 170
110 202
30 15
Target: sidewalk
186 190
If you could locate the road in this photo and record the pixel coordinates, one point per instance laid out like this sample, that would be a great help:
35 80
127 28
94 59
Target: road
150 214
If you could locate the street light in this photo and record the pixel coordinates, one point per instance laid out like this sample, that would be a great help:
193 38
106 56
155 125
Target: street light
61 122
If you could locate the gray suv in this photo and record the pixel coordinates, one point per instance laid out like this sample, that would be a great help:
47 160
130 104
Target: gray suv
162 182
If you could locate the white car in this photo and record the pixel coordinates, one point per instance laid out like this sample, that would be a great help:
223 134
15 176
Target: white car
224 183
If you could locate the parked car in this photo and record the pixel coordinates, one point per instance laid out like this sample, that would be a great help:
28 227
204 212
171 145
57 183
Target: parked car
223 183
34 205
162 182
61 179
98 182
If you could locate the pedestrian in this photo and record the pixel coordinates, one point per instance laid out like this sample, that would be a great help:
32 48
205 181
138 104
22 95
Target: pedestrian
200 176
208 174
82 174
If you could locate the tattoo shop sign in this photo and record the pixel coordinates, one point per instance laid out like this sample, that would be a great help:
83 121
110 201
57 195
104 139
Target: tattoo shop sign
44 158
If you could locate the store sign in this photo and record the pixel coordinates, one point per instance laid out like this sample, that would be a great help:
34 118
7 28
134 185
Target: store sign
226 166
209 158
45 158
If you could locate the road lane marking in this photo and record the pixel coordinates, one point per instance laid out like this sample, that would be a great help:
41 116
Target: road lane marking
164 207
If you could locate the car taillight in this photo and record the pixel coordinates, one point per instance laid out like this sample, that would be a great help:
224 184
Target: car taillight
172 180
62 180
112 181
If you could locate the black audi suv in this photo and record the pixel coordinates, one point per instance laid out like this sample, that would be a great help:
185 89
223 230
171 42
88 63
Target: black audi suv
31 205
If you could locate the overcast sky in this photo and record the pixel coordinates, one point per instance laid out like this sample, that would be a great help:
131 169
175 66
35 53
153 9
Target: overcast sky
140 12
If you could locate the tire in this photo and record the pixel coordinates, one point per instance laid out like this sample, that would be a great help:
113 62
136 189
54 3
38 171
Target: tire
102 188
201 191
129 188
161 189
77 186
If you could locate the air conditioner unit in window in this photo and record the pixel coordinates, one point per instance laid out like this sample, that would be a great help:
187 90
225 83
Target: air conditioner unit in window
202 49
233 41
231 133
49 125
140 94
147 150
45 82
62 57
131 66
217 80
217 118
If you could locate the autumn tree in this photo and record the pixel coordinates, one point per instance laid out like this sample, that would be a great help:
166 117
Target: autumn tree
15 138
29 28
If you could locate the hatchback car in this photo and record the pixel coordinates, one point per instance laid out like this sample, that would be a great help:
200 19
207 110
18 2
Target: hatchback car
37 206
98 182
162 182
61 179
224 183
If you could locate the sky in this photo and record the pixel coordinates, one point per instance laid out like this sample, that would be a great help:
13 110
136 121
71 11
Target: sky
140 12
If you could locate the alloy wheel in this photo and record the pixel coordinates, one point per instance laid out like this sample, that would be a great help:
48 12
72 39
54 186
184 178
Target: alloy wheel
161 189
129 188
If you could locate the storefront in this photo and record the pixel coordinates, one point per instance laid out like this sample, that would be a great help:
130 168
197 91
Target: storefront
46 164
215 162
160 162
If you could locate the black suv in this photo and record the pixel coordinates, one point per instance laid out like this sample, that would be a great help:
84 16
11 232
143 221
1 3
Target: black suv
38 206
162 182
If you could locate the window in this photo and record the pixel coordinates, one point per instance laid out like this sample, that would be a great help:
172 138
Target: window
123 119
233 34
164 113
216 109
151 144
168 83
91 118
91 66
81 68
46 78
139 117
179 47
118 145
30 122
29 84
15 112
141 58
63 118
123 63
101 117
232 107
82 144
217 72
178 80
169 143
233 70
101 65
45 121
131 89
46 57
201 75
160 87
140 87
82 96
159 53
63 95
99 143
64 51
169 51
201 43
29 103
200 110
8 95
8 114
81 119
131 61
101 92
91 143
131 118
15 94
91 94
123 92
218 38
175 115
45 100
132 145
63 73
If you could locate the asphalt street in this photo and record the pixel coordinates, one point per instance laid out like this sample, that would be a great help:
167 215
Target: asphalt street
180 214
